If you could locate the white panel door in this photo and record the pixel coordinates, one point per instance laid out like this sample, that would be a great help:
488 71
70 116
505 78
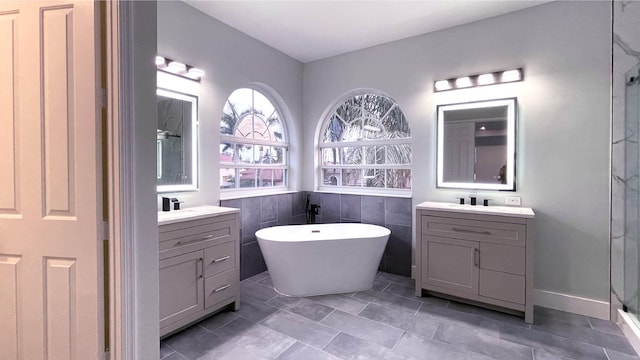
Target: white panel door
51 296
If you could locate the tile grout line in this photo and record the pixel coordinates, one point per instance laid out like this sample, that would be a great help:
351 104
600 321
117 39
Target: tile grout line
326 316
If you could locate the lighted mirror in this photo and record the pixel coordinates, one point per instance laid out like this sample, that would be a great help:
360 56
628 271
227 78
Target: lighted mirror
177 141
476 145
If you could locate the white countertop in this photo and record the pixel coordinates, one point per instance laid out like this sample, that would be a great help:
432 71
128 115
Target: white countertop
194 213
513 211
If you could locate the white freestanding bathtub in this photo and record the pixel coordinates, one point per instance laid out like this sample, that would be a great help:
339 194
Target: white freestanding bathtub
319 259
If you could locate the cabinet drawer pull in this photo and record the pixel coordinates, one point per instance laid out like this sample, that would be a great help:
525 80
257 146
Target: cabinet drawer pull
221 259
193 241
199 268
471 231
221 288
476 257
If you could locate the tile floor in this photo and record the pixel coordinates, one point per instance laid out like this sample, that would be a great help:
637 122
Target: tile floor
387 322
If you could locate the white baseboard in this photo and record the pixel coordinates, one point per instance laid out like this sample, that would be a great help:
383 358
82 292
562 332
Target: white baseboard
573 304
629 329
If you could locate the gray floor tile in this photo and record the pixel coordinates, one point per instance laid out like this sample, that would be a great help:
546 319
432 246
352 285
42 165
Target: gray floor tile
483 342
453 317
165 350
543 355
300 351
193 342
419 347
258 277
400 290
615 355
400 319
234 328
431 300
218 320
349 347
605 326
308 331
582 334
488 313
388 299
266 282
347 304
561 316
175 356
253 309
554 344
257 290
379 284
363 328
254 343
301 306
397 279
392 324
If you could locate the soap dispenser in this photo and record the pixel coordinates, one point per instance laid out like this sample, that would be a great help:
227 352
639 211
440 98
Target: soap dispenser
166 204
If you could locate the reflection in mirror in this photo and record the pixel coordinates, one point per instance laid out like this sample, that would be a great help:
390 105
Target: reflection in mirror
476 145
176 141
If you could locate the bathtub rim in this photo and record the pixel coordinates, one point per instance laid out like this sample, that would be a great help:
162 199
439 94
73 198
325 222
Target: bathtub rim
259 234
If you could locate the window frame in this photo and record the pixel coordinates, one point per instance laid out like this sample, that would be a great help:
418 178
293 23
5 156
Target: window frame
362 189
237 191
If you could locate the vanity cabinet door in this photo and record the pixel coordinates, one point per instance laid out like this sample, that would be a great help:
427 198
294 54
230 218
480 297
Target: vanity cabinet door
181 286
450 263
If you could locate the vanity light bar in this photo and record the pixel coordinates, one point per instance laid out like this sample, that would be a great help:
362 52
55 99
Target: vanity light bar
178 68
492 78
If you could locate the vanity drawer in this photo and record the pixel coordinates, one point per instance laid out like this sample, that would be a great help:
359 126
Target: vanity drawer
191 228
220 287
483 231
504 258
219 258
502 286
196 237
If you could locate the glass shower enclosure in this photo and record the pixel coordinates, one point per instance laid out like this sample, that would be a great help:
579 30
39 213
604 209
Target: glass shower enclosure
627 287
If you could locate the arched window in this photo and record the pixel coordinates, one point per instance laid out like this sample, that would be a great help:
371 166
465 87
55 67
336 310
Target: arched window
253 143
365 144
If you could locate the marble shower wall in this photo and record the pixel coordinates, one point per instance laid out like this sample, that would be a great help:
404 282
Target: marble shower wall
625 161
289 209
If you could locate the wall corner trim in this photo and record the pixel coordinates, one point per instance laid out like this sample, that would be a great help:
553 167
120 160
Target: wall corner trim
571 303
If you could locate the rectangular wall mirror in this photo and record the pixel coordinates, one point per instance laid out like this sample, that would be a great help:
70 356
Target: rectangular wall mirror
476 145
177 141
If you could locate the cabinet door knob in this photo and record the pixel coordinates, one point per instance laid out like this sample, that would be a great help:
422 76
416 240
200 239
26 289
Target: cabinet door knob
199 268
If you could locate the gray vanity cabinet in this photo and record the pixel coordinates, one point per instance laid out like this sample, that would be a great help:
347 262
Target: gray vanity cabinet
199 264
476 255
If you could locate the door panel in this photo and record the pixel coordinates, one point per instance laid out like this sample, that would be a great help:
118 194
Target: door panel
181 286
50 193
450 264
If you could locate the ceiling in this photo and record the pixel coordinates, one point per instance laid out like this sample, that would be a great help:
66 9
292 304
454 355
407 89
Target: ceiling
309 30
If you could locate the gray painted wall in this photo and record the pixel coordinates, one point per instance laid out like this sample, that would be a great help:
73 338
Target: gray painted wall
230 60
564 121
